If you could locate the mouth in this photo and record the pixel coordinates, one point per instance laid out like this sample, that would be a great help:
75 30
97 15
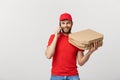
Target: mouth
66 30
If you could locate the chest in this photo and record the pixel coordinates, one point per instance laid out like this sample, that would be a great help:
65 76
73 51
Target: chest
64 47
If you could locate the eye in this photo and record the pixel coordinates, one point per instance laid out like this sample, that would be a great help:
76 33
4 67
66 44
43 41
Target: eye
68 22
62 23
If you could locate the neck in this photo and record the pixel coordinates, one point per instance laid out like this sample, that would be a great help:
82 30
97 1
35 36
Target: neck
65 34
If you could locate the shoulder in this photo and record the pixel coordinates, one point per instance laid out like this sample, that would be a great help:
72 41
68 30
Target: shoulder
52 35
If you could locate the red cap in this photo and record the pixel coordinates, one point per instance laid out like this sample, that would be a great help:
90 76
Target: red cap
65 16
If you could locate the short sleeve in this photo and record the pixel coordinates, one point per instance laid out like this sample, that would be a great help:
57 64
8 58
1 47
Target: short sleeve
81 50
50 39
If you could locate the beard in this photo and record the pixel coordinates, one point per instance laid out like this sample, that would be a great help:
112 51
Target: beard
66 32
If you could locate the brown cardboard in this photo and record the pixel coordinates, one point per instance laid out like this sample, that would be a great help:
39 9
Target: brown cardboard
83 39
83 46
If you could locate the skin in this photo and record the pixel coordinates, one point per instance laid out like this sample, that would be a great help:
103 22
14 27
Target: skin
65 27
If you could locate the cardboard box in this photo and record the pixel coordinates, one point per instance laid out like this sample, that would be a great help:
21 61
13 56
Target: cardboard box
83 39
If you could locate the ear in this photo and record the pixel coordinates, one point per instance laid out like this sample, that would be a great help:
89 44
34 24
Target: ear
72 23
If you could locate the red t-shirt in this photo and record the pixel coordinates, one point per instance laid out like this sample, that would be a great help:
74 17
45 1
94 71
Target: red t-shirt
64 58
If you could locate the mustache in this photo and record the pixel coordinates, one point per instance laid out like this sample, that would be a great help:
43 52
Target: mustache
66 32
64 27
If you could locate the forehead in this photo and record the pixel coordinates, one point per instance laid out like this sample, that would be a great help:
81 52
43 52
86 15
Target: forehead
65 21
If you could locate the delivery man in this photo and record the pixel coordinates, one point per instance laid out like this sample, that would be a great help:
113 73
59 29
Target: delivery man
64 55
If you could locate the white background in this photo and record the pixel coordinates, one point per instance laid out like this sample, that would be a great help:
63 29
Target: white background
25 26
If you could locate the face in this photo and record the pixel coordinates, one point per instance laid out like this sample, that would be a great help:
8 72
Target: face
66 26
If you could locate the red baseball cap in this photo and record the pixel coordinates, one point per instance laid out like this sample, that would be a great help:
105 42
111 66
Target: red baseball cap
65 16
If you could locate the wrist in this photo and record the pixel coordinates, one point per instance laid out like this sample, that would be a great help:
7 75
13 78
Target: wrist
90 52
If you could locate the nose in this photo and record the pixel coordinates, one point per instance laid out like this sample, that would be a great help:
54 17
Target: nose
65 25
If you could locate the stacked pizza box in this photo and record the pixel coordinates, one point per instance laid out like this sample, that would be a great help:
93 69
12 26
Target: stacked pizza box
84 38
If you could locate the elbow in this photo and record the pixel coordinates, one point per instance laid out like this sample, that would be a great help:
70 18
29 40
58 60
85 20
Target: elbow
80 63
48 56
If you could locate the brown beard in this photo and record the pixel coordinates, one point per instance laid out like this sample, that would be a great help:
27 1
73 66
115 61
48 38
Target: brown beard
66 32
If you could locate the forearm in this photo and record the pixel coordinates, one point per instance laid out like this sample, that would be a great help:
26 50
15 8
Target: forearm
84 59
51 49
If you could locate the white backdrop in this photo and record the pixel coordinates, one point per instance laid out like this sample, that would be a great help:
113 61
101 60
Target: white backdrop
25 26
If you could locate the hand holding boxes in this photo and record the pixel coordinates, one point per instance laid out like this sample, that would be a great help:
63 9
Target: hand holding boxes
83 39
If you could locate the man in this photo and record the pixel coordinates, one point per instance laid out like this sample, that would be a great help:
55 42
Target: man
63 54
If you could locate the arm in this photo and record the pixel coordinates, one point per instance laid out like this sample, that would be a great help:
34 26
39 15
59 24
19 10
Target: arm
51 49
82 59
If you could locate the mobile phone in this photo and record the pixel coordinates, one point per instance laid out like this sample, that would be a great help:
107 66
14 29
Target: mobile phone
60 27
60 30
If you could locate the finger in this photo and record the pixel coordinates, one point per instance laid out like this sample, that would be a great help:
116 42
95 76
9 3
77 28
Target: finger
58 29
92 45
96 44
